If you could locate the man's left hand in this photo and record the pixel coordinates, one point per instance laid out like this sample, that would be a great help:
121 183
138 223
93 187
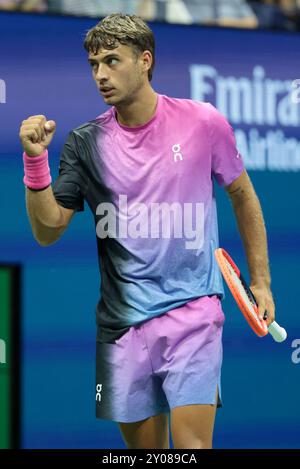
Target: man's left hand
264 299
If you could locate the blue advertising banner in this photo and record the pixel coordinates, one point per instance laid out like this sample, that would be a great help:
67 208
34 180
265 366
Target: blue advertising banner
252 77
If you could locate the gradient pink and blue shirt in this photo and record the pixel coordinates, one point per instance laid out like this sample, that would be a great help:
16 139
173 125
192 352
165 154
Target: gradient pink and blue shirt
150 189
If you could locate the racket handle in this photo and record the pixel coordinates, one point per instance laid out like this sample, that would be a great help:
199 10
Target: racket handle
277 332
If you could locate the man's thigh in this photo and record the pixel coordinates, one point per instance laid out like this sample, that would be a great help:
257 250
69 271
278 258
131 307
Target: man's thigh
152 432
192 426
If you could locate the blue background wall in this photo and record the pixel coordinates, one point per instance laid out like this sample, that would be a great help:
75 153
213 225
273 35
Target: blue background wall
44 66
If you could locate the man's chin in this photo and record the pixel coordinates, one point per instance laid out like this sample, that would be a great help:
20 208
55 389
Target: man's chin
111 100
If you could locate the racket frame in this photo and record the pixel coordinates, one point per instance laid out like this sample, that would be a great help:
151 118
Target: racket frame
258 326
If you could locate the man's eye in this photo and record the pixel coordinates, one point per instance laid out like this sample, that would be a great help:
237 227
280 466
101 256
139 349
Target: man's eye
112 60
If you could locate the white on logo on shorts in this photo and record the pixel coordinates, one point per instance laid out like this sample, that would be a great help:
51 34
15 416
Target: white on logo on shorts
98 392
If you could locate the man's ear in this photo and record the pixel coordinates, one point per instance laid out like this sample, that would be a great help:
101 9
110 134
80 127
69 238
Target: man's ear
147 60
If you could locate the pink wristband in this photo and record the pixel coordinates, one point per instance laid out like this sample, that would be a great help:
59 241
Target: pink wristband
37 171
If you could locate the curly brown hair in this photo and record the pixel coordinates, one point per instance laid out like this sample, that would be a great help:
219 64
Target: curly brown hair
118 28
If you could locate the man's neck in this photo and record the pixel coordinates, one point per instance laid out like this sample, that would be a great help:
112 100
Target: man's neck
140 111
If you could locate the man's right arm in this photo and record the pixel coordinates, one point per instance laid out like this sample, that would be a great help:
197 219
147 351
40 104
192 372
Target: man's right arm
48 219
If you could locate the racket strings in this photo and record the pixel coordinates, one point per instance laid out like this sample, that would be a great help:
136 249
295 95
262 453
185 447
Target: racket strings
245 294
248 291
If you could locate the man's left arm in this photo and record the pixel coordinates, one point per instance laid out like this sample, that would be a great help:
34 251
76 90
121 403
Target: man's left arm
252 229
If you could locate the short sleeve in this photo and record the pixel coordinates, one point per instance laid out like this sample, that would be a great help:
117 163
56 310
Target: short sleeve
71 184
227 163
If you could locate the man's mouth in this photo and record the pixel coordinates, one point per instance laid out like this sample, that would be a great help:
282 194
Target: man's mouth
106 91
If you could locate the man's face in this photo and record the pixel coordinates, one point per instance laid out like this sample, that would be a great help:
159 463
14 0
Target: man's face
118 74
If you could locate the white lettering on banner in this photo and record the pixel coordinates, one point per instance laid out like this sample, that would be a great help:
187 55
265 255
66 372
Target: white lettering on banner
260 101
2 92
254 101
2 351
271 152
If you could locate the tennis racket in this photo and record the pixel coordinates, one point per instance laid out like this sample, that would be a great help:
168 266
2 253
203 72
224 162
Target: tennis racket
245 298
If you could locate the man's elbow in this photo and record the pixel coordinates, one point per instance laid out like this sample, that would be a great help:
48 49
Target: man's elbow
47 239
45 242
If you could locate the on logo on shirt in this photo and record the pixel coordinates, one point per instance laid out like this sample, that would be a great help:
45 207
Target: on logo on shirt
177 152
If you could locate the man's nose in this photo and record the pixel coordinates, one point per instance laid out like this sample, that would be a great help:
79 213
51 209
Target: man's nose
102 73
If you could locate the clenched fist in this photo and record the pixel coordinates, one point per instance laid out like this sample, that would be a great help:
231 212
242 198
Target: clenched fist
36 134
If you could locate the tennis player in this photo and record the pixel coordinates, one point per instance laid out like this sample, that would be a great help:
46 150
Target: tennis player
146 167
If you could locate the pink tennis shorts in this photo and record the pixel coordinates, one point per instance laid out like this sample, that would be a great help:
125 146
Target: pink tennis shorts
168 361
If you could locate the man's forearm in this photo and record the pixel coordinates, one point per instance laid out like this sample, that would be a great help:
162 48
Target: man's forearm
253 233
45 215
